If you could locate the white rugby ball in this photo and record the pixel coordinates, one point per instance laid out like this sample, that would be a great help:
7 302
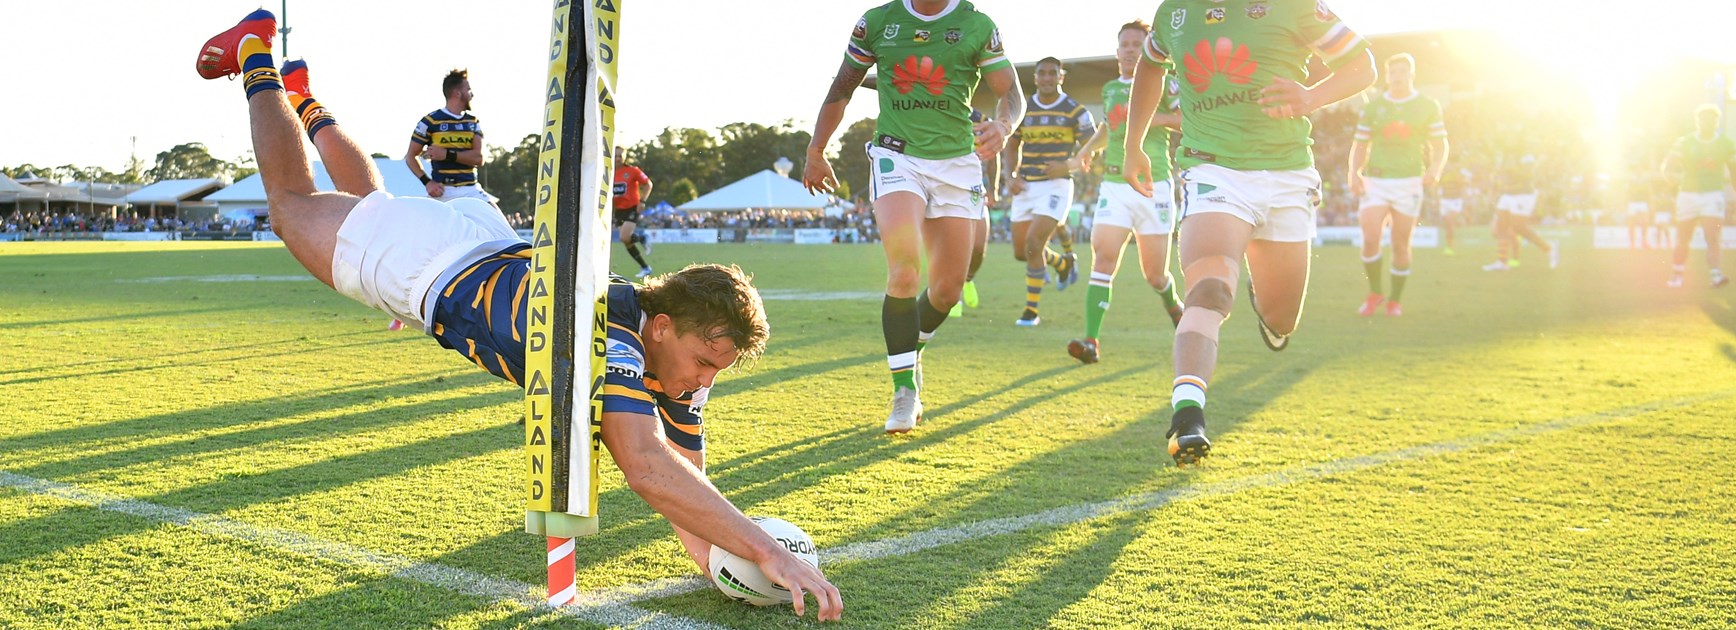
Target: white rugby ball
742 580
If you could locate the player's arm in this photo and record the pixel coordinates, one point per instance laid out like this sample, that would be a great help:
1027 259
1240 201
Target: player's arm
1360 145
1439 149
674 486
1012 160
1143 98
992 135
412 159
1288 99
644 186
1672 166
817 175
471 156
1093 145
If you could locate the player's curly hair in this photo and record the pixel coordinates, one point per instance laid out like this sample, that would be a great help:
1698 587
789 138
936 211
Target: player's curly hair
453 78
1137 25
714 300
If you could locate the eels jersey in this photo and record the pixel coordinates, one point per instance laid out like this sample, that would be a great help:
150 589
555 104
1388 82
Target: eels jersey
459 132
1049 134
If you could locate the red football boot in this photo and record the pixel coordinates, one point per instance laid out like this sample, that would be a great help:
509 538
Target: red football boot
219 58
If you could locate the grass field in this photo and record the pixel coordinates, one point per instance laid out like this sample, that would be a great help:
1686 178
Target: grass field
195 435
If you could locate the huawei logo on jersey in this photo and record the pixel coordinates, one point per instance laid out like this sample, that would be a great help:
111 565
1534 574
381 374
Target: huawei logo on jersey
912 71
1208 59
1118 116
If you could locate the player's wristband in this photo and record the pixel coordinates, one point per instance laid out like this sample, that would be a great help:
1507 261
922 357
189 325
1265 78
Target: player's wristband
424 179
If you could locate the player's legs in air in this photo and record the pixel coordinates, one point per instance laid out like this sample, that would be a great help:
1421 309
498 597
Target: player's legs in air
349 168
307 220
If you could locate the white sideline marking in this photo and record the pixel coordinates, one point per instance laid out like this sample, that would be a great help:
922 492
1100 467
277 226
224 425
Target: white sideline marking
585 606
613 606
796 295
227 278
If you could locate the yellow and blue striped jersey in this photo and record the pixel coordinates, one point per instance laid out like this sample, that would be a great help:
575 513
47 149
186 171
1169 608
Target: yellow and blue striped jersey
1050 133
459 132
481 314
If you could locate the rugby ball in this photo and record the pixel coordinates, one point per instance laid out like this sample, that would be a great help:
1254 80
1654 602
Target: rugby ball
742 580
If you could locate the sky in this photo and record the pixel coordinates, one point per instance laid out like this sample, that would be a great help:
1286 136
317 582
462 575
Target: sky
86 79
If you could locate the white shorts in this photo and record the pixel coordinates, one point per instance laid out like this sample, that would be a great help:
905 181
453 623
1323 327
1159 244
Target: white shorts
1404 196
1521 205
1279 204
392 251
1119 205
1051 198
1452 206
1663 218
952 187
452 193
1700 205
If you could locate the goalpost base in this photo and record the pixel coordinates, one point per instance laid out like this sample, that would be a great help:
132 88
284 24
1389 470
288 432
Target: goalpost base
559 524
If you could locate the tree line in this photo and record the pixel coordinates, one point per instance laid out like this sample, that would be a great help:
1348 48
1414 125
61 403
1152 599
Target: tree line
684 162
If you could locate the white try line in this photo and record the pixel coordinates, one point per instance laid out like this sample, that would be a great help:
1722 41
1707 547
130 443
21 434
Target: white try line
919 541
614 606
609 613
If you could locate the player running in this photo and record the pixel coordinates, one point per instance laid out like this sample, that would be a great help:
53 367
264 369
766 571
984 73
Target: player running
1249 187
1452 207
1518 184
1121 212
1041 176
632 188
457 270
1701 162
927 180
1398 154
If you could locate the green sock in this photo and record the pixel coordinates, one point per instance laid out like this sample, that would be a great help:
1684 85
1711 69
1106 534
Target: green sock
1371 269
1096 304
1170 298
1398 278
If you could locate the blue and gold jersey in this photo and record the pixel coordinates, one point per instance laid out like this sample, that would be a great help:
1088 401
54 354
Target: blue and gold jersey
459 132
481 314
1049 134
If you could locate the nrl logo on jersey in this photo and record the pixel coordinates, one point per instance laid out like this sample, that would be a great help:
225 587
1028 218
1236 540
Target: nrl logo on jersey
1178 18
953 36
921 35
891 31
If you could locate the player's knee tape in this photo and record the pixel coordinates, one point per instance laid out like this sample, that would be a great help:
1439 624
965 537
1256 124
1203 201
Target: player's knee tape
1212 284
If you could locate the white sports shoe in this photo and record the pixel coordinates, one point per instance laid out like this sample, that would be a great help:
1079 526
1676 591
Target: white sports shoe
1495 266
906 411
1675 282
1554 254
645 271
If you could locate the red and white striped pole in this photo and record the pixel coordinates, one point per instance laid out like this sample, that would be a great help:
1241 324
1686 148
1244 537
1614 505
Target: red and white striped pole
561 571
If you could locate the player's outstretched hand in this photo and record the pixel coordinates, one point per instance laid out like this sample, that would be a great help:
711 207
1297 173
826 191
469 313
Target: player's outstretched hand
1285 99
817 175
1136 170
991 137
800 577
435 189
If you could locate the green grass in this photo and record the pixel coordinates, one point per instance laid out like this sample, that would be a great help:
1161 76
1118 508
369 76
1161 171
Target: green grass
280 405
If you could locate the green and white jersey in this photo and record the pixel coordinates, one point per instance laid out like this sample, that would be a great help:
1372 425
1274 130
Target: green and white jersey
1704 162
1117 105
1227 51
1396 132
928 67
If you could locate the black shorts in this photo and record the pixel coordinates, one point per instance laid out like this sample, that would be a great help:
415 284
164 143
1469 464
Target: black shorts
627 215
